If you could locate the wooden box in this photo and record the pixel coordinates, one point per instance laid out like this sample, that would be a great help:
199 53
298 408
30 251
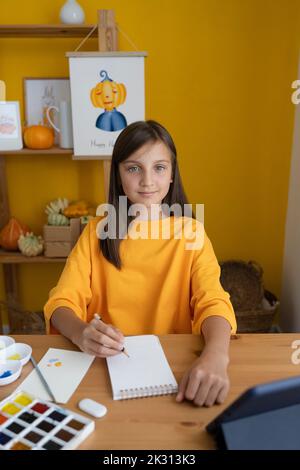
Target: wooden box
59 240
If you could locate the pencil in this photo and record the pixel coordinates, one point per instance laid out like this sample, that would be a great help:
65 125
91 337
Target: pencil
97 317
43 380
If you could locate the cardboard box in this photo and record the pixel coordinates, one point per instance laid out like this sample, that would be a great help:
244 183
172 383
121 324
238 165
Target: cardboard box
59 240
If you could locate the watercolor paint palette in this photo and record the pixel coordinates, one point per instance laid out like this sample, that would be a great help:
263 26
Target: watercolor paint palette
28 423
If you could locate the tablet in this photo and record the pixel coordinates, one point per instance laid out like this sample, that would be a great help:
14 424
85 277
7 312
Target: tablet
272 405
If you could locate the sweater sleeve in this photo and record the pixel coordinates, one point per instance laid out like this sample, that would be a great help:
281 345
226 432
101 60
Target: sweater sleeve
208 297
74 288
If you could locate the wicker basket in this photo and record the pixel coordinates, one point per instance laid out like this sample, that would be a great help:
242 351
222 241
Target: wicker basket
22 322
243 281
255 307
255 321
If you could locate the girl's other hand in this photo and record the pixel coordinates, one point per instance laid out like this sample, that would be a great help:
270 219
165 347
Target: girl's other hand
206 382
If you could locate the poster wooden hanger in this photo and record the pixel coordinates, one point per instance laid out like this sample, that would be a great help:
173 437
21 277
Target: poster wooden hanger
107 41
2 91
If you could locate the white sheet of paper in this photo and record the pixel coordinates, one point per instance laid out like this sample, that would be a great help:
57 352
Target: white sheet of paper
63 371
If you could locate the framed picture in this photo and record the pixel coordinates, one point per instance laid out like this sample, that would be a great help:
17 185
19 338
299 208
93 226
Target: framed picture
39 94
10 126
107 93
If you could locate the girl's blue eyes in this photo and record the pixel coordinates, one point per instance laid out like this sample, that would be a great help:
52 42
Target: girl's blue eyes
135 169
132 169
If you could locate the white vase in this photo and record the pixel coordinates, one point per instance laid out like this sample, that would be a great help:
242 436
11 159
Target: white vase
71 13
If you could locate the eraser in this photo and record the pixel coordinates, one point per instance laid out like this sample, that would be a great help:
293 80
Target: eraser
92 407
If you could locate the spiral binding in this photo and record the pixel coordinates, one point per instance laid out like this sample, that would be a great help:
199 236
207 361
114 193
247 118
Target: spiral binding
150 391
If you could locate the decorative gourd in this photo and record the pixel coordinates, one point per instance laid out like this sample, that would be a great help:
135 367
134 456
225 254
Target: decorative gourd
76 209
38 137
108 94
58 219
10 234
30 244
84 219
57 206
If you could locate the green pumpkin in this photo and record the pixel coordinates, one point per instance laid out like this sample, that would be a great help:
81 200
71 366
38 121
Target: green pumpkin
58 219
30 244
84 219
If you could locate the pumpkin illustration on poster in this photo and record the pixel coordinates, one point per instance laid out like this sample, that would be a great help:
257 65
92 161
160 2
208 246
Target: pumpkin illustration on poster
108 94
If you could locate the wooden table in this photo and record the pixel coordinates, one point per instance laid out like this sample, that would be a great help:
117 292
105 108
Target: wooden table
160 422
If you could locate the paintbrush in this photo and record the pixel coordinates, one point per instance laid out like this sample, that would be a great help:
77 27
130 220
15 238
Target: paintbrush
43 380
97 317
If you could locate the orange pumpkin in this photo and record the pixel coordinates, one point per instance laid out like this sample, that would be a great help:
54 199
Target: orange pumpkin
38 137
10 234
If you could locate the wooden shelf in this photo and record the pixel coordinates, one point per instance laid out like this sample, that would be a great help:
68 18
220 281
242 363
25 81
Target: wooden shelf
26 151
14 257
46 30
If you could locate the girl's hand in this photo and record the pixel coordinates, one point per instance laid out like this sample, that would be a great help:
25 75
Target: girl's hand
206 382
101 340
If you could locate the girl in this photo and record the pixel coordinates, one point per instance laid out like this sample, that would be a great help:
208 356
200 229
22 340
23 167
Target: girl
146 286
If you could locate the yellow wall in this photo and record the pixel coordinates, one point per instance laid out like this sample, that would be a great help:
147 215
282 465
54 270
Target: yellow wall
218 76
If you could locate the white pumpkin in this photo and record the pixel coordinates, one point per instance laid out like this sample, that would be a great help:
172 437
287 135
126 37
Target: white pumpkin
57 206
58 219
30 244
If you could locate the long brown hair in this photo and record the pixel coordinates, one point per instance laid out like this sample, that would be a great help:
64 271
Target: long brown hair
131 139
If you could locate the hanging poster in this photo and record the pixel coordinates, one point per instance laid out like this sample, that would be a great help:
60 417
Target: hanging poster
107 94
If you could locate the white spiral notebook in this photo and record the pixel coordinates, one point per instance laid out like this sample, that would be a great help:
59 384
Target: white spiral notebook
145 373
